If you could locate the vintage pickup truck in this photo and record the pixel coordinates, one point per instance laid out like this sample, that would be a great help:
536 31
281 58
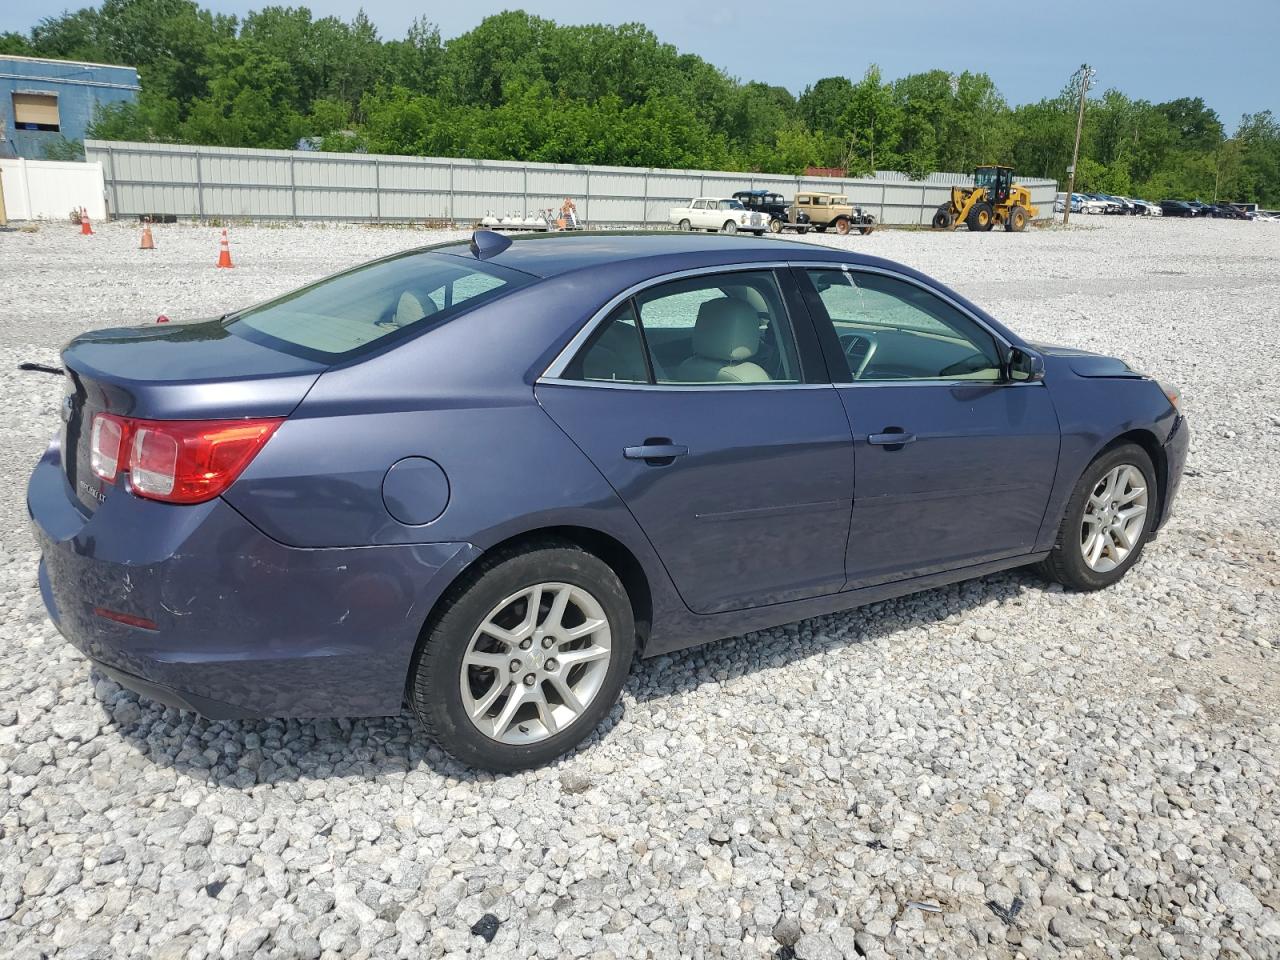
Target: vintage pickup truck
715 213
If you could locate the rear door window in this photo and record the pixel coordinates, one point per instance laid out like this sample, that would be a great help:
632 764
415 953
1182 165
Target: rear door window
722 329
361 309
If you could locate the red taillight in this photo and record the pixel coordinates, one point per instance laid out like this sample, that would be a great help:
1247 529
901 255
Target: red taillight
177 461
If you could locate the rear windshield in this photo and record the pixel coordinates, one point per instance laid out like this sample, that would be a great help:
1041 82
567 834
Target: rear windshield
364 308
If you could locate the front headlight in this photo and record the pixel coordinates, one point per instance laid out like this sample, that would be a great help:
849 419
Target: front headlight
1174 395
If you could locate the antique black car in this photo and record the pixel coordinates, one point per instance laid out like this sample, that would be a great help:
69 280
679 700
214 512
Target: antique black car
781 214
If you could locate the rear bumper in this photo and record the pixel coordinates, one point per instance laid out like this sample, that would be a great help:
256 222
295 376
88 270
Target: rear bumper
244 626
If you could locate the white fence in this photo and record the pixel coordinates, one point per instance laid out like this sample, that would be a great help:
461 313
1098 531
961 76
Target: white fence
224 182
51 189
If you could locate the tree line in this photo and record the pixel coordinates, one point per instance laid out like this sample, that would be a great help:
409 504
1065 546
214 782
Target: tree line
526 88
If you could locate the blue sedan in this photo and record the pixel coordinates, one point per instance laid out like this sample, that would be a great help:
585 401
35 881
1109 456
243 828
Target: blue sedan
482 477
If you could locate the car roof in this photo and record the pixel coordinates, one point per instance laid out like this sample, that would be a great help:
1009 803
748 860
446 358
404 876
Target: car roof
552 254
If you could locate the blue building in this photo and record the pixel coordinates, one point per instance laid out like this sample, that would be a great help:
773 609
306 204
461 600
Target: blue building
43 101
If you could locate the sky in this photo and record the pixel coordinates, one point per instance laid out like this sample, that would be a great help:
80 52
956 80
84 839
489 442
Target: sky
1226 51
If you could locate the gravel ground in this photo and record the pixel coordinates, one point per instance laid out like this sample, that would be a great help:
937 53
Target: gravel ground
1060 775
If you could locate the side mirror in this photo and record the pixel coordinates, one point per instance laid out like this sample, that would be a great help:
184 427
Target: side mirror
1025 366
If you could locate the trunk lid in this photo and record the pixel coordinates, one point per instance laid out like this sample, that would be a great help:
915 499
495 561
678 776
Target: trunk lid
182 371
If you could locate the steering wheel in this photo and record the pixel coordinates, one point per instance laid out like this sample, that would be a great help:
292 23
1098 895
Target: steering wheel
854 343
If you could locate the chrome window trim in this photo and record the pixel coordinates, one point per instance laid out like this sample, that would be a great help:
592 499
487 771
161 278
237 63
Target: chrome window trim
554 372
743 387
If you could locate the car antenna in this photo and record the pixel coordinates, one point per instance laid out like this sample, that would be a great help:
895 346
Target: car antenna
485 244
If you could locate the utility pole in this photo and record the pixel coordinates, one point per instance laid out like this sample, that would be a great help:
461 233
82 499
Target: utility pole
1086 74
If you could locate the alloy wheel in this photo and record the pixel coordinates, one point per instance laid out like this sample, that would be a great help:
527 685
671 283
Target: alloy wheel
1115 516
535 663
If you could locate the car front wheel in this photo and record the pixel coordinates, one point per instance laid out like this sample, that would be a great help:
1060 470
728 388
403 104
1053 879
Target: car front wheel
729 227
1107 522
528 657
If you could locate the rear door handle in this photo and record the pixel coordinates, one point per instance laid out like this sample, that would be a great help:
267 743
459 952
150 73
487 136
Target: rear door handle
891 439
656 454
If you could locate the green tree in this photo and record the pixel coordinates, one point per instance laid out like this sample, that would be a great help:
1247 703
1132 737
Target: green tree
519 86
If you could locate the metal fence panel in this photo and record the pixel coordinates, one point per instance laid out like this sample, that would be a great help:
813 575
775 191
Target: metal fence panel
202 182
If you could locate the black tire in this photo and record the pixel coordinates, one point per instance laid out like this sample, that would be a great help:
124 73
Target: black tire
685 225
842 227
820 229
866 229
729 226
1017 221
775 225
981 217
434 678
1066 563
942 217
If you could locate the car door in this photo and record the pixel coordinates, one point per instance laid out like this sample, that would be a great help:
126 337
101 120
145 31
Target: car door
691 398
703 214
954 462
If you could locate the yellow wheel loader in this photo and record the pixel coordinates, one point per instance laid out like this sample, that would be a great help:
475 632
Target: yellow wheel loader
993 198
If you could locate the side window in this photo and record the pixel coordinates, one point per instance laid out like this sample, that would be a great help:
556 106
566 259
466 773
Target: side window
724 328
890 329
615 353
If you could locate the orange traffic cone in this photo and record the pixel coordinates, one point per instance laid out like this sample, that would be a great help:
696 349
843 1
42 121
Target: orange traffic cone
224 255
148 241
85 229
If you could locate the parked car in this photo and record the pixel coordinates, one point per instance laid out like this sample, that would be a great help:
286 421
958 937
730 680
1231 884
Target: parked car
1226 211
1060 199
483 476
717 214
1092 204
833 210
1177 208
781 215
1109 204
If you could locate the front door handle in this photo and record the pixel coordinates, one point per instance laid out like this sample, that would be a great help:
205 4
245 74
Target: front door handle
657 452
892 438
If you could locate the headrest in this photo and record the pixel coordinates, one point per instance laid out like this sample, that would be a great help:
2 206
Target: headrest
727 329
410 308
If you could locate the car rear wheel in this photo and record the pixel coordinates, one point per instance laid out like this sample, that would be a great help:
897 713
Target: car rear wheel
775 225
1107 522
729 226
528 657
842 227
686 226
